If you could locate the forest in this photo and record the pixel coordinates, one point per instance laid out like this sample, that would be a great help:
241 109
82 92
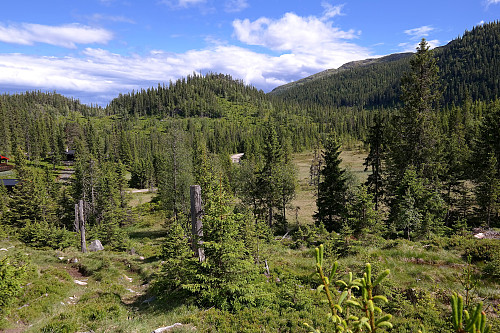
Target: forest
366 200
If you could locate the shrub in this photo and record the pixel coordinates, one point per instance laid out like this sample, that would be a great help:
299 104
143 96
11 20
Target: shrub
487 250
12 275
42 234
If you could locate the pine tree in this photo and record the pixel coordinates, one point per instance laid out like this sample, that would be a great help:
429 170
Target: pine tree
267 179
417 209
374 160
486 166
362 215
416 139
332 189
226 278
175 174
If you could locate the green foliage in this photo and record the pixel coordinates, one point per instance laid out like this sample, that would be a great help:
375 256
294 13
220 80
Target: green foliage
12 277
362 215
415 138
374 159
417 208
42 234
463 322
179 265
228 277
332 188
486 166
365 315
487 251
175 173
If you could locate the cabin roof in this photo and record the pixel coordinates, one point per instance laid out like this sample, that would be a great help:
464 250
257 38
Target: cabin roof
3 158
9 182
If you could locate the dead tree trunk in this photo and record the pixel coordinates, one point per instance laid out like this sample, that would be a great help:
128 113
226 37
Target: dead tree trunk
196 222
76 224
82 228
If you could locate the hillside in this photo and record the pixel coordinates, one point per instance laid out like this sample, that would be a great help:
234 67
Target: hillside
335 71
469 67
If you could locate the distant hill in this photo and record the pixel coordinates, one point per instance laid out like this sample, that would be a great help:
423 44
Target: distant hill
469 67
212 96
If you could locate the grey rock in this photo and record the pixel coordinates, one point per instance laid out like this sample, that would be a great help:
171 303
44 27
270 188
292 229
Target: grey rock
96 246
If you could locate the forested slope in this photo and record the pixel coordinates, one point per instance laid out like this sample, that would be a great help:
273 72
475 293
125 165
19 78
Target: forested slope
468 68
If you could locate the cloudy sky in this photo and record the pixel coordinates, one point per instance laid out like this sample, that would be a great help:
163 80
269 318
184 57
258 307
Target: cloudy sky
95 49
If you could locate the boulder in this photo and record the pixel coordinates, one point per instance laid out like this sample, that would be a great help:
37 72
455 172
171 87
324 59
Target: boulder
96 246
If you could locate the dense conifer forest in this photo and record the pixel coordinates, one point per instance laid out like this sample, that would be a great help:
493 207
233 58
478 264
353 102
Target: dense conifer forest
410 244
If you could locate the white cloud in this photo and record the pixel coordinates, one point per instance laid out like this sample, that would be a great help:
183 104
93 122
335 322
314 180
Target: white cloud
64 35
493 2
420 32
234 6
292 33
331 11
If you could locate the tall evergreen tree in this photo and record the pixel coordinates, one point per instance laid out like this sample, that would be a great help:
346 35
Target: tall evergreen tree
486 166
175 174
416 139
332 189
374 159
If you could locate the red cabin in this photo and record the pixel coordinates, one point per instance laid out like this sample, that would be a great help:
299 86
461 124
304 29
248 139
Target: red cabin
4 166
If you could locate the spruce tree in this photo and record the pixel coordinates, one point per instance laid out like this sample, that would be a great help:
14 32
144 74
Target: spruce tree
416 139
332 189
486 166
374 160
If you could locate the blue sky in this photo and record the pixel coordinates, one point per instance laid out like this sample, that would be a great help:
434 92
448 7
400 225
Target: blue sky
95 49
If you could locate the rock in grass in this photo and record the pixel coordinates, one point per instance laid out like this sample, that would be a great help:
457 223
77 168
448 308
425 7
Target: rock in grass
96 246
167 328
81 283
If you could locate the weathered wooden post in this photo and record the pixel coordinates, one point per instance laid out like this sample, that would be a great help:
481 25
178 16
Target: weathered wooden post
196 222
76 223
82 227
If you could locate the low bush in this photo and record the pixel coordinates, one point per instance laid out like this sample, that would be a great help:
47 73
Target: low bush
41 234
12 276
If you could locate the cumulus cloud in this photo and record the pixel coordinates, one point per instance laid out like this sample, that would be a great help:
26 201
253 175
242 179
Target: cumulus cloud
416 35
64 35
292 33
234 6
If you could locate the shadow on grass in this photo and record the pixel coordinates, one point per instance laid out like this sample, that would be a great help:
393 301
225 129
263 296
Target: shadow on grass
151 234
154 302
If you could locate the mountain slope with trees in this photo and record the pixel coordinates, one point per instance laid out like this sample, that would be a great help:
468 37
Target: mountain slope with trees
468 68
